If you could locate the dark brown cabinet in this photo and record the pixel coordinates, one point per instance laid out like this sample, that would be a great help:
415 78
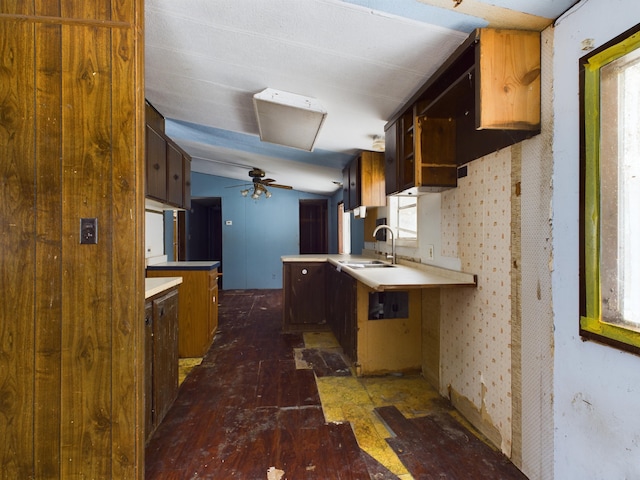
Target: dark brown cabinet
161 357
363 181
485 97
168 167
304 296
342 310
156 165
175 180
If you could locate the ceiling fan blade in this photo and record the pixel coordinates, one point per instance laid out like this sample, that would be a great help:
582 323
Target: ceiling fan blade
239 185
275 185
268 180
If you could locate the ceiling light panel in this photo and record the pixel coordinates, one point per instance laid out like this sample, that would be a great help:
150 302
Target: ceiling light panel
288 119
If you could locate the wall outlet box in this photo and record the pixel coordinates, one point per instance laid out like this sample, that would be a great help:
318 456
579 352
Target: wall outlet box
430 252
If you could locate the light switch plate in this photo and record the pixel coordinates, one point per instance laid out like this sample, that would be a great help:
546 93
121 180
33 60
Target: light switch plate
88 231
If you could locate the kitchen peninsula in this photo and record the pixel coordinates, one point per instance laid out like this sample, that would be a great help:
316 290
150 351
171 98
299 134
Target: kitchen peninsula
198 310
374 308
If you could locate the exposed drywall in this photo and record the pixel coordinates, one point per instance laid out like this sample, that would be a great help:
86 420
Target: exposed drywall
596 387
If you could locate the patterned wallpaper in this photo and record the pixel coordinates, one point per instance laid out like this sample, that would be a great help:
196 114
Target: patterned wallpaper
476 324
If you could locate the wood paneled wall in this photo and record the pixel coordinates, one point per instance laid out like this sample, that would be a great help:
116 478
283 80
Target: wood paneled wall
71 315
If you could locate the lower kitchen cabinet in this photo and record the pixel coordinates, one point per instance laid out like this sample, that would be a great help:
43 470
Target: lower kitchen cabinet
304 296
341 310
198 313
161 357
379 331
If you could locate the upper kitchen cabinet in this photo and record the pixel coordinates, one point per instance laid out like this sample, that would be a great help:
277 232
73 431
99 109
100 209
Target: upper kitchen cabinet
485 97
363 181
168 167
156 164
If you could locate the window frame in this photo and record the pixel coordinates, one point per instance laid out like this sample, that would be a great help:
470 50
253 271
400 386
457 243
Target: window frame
394 217
592 324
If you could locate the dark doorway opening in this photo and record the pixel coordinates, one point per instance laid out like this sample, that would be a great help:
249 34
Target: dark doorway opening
204 230
314 236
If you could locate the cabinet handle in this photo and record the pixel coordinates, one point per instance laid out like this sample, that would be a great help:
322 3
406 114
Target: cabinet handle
176 177
156 166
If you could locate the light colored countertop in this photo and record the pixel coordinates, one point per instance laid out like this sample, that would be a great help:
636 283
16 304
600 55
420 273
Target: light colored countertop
154 286
404 275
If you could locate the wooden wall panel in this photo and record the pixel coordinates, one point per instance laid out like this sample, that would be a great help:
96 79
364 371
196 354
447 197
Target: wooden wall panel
17 259
48 287
71 322
127 198
86 272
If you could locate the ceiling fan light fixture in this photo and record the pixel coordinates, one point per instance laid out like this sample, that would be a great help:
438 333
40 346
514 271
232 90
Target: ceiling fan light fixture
244 192
378 143
288 119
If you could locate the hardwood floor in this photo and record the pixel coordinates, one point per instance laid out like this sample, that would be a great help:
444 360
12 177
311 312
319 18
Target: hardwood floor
247 412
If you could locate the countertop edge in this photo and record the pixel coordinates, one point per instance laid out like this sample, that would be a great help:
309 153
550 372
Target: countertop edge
157 285
425 276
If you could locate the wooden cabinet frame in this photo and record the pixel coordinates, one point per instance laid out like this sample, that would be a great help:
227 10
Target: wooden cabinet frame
485 97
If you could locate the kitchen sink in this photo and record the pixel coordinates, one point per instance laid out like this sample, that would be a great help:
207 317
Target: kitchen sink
365 264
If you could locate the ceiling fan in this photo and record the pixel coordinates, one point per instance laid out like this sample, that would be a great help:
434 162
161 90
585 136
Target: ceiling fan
260 184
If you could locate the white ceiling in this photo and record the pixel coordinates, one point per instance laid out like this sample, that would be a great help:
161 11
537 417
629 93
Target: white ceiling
361 59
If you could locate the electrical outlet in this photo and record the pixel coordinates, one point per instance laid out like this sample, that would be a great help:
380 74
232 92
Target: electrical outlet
430 252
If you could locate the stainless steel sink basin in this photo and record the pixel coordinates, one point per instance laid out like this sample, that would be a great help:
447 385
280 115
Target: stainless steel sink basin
365 264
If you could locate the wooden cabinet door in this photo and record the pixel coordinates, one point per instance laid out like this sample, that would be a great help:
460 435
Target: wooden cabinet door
304 296
341 309
355 184
391 159
175 181
345 188
165 353
186 176
213 302
156 165
148 370
406 149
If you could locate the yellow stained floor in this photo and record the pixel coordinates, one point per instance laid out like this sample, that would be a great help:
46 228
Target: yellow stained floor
185 365
353 399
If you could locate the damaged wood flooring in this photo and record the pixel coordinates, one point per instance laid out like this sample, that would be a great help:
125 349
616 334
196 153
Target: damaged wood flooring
250 411
247 412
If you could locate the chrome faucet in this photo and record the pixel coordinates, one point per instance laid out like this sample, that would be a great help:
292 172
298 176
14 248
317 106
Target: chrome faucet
393 240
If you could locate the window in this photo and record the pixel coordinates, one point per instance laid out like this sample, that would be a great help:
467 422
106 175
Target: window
610 178
403 214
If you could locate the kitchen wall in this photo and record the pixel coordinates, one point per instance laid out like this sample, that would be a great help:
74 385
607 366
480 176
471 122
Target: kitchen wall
260 233
511 358
596 388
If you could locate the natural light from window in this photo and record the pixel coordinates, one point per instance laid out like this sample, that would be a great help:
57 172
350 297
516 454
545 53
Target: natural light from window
620 200
404 217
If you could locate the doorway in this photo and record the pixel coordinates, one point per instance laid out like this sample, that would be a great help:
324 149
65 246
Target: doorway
203 230
314 236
